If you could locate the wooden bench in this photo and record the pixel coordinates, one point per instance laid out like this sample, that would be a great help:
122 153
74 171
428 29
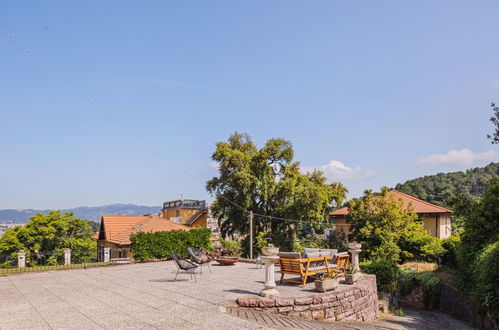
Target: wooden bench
302 268
341 262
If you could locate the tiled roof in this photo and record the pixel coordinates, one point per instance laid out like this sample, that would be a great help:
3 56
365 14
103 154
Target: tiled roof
418 205
117 229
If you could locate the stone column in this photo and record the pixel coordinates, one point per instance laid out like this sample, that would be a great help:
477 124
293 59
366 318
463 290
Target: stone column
107 254
21 259
67 256
270 290
355 249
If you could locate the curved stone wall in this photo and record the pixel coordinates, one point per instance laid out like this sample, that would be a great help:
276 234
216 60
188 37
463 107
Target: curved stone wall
356 302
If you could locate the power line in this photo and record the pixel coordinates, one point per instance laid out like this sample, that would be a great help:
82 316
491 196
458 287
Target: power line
98 107
110 116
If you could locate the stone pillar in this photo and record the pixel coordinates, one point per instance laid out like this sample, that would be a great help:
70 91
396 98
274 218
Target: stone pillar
270 290
21 259
107 254
355 249
67 256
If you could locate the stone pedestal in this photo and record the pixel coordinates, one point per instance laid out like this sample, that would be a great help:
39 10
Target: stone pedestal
21 259
107 254
67 256
270 290
355 249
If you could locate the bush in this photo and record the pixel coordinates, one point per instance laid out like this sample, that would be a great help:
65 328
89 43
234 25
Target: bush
387 273
146 246
486 278
429 283
450 246
232 248
422 246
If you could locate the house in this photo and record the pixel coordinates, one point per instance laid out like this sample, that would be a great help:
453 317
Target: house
436 219
188 212
115 232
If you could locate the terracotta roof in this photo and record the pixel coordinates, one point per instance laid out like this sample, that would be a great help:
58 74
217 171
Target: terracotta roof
418 205
117 229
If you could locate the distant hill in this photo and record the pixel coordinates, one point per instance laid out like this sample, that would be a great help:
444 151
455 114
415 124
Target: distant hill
93 213
438 188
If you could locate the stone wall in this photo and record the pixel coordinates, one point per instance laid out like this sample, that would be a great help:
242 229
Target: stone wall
356 302
455 304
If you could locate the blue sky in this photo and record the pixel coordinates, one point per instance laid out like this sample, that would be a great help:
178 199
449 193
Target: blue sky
374 93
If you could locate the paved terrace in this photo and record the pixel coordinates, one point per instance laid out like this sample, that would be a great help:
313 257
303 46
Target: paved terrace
137 296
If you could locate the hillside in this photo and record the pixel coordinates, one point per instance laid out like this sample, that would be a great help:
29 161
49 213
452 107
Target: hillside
88 213
438 188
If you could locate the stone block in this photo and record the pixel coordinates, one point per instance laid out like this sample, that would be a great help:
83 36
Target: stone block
284 302
306 315
318 307
266 302
301 308
318 315
285 310
330 313
328 298
303 301
248 302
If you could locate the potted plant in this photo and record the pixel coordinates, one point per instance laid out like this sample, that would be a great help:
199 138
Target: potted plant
270 249
351 275
326 281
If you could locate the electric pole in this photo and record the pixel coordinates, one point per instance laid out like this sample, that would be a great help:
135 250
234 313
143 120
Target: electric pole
251 234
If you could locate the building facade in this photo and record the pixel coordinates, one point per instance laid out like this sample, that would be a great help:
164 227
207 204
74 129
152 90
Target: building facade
187 212
436 219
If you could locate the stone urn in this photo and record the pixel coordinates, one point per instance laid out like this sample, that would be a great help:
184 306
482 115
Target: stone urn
354 246
270 251
352 278
326 285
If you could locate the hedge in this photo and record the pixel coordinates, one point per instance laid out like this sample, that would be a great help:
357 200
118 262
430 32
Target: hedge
387 273
429 283
157 245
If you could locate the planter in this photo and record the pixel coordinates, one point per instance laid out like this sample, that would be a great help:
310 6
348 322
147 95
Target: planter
352 278
326 285
223 261
270 251
354 246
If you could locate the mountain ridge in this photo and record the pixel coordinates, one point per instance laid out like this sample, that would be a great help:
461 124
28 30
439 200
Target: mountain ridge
90 213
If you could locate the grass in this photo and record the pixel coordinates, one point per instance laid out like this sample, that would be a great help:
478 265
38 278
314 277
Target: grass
35 269
398 312
419 267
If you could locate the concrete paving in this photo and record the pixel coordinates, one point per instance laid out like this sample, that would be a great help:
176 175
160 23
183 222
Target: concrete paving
136 296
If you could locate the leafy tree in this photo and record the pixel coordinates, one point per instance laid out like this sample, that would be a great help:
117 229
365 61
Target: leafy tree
49 234
481 226
269 182
494 138
440 189
387 229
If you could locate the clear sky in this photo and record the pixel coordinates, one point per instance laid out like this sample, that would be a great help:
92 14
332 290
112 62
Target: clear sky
373 92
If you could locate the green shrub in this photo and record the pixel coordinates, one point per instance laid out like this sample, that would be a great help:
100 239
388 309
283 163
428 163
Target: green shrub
146 246
398 312
429 283
486 278
450 246
422 246
233 248
387 273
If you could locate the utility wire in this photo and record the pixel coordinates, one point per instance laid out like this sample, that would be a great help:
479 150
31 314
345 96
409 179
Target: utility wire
98 107
118 122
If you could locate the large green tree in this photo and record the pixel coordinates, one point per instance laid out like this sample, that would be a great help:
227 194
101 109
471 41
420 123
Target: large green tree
49 234
388 230
268 182
494 138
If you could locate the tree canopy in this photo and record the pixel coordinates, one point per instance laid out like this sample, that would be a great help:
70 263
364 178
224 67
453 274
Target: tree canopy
494 138
48 233
268 182
438 189
387 229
